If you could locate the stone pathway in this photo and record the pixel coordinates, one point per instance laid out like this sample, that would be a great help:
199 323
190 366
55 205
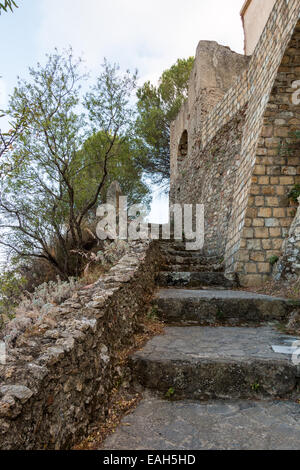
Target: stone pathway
214 382
158 424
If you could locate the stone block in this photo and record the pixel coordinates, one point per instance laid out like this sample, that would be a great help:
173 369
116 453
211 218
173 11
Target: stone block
258 256
264 268
272 142
263 180
250 268
267 131
259 201
272 201
248 233
268 190
273 222
264 212
279 212
254 244
286 180
259 170
277 244
275 232
261 232
281 132
266 244
258 222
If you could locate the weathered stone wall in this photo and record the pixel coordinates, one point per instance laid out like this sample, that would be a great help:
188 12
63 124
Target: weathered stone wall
208 177
60 373
232 102
215 70
260 214
265 66
277 169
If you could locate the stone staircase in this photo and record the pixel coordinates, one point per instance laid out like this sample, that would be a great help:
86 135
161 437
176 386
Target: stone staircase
213 380
177 259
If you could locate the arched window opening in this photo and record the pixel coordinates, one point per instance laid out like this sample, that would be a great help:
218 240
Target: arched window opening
183 147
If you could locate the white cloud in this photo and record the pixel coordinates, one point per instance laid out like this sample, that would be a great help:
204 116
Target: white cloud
149 35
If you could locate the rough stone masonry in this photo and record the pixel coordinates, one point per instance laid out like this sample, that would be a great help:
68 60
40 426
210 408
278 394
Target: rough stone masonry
60 373
232 146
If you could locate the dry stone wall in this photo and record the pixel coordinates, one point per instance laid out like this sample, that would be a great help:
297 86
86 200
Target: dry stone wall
59 374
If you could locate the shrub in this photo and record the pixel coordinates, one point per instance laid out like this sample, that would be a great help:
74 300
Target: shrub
294 193
273 260
48 295
11 289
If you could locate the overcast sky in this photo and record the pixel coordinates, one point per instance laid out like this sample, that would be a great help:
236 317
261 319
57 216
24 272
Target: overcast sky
149 35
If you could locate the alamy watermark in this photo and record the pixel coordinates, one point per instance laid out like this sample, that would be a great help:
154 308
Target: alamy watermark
129 223
296 94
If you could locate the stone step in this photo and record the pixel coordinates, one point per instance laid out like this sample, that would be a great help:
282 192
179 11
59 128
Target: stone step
187 254
193 279
179 245
191 268
224 307
216 362
182 251
179 248
183 259
158 424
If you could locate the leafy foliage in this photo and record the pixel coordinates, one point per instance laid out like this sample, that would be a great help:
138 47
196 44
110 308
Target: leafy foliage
7 139
157 108
123 168
294 193
57 171
7 5
170 393
273 260
11 288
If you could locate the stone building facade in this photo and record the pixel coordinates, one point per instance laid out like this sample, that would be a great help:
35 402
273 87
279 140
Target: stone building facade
233 145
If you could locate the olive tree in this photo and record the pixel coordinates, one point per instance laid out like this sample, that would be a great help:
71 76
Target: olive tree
43 213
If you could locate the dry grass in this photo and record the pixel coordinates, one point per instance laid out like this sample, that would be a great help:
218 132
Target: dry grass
94 273
286 289
122 403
